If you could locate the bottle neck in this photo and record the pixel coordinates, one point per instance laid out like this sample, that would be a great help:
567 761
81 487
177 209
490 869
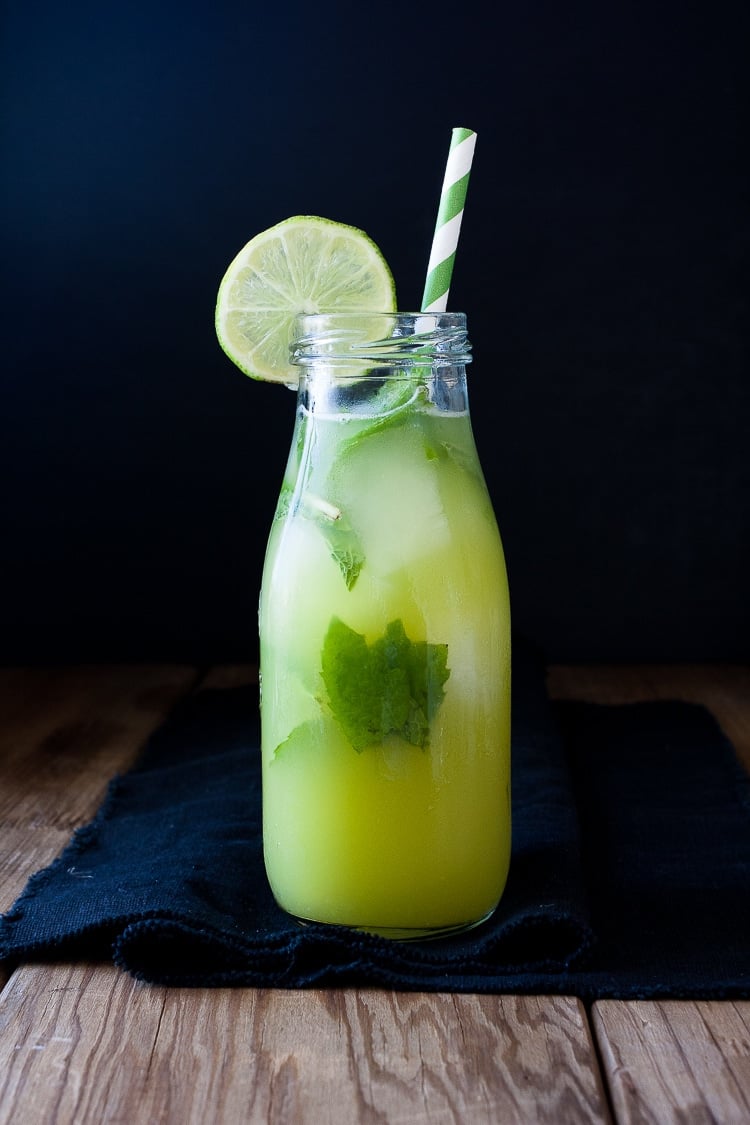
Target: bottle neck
375 363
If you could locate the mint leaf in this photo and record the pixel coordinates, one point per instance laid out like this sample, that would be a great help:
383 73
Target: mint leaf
343 541
393 686
345 551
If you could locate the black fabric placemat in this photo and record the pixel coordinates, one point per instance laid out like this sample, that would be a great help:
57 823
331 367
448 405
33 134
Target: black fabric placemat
630 874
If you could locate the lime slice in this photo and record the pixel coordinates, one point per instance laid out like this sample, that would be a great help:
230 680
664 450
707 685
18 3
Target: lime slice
303 265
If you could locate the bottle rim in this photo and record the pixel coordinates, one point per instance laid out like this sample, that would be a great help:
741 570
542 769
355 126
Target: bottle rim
388 338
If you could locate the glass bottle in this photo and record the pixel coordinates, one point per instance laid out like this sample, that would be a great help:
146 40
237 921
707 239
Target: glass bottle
385 639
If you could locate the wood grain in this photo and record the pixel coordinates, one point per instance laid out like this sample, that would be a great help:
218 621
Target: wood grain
24 850
89 1046
63 734
86 1044
676 1061
673 1061
230 676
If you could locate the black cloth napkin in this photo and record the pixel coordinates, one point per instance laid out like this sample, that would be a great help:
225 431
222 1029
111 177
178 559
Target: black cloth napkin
630 874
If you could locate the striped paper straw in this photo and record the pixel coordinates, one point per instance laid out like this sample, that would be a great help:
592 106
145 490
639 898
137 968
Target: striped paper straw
448 226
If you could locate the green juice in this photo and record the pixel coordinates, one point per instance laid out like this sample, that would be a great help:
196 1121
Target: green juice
385 665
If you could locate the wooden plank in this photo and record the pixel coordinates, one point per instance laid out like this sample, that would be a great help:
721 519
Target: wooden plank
671 1061
723 689
676 1061
24 850
63 734
230 676
90 1045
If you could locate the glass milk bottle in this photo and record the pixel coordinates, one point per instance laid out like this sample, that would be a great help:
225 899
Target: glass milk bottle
385 639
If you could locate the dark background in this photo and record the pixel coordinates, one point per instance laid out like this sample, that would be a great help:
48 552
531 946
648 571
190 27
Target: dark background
603 265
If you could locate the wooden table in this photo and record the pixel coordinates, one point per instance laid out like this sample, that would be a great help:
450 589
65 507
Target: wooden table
85 1043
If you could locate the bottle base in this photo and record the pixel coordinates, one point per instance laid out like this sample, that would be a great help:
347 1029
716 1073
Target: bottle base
403 933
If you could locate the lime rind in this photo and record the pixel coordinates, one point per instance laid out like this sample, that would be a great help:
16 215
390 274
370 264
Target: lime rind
304 264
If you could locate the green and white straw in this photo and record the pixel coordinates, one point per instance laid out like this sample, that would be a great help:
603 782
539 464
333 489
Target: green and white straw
448 226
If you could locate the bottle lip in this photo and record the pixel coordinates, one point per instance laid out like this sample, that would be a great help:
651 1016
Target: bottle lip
392 338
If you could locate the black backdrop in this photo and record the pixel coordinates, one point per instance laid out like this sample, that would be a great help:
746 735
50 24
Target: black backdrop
602 264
